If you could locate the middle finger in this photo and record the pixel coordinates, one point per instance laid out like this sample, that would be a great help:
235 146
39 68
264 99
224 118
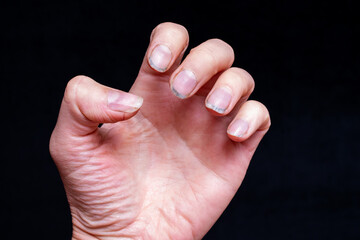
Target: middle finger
202 63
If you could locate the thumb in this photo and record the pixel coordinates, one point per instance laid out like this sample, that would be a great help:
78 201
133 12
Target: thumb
87 103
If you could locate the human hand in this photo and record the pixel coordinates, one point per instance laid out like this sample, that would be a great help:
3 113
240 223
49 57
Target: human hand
160 167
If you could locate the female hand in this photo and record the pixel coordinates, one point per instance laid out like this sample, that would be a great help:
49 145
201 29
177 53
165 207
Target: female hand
170 155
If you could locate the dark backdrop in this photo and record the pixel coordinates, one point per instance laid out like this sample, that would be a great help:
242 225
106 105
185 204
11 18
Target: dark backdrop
303 182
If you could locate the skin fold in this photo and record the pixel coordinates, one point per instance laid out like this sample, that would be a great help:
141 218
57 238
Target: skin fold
161 166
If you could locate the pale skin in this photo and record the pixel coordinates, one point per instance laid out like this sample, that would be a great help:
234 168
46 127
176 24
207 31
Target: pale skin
170 155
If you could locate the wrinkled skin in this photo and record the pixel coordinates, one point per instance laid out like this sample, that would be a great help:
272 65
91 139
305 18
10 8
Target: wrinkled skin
166 171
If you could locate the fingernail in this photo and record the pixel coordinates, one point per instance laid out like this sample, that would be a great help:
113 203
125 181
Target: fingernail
123 102
238 128
160 58
183 84
219 99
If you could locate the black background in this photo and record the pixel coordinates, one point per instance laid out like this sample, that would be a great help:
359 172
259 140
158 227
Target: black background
303 182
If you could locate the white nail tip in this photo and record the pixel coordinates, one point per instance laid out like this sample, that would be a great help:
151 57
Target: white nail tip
214 108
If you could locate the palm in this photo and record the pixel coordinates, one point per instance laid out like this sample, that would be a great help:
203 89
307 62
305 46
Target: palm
170 159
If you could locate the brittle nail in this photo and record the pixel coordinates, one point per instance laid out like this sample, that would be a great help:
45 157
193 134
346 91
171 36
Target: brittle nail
219 100
183 84
160 58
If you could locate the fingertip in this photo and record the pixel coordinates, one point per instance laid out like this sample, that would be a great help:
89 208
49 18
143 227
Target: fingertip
252 117
160 58
120 101
238 130
116 116
168 42
87 103
215 112
183 83
219 100
235 138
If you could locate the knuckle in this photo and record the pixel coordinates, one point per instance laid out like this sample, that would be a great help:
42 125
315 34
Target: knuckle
221 44
180 29
215 52
209 56
242 79
261 109
206 53
170 25
72 88
244 76
256 105
171 30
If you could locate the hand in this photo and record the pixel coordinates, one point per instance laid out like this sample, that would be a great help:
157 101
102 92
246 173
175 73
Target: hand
161 166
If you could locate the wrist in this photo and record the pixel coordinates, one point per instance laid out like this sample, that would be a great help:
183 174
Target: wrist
80 234
90 225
